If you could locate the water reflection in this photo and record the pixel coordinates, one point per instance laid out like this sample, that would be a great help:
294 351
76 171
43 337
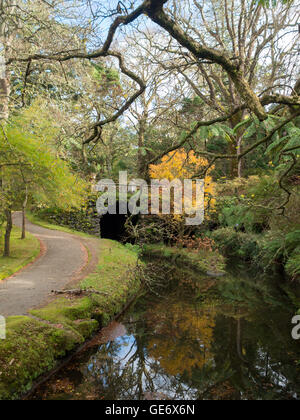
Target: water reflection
225 339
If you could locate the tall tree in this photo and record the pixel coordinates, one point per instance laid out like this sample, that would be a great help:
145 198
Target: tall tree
237 65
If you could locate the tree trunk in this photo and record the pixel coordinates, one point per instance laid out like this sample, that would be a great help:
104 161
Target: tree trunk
4 114
4 91
23 223
9 226
240 162
236 147
141 151
233 162
7 34
24 216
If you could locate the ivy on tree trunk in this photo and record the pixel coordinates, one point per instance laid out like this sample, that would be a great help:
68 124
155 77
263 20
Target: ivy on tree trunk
9 226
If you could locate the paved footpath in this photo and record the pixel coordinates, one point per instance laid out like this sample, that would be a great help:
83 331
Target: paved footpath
64 260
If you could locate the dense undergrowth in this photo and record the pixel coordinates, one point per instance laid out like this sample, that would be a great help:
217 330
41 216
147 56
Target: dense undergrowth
251 225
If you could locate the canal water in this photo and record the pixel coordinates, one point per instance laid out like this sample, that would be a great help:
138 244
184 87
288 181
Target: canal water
213 339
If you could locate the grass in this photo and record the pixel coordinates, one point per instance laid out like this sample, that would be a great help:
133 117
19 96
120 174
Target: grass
40 222
23 252
33 346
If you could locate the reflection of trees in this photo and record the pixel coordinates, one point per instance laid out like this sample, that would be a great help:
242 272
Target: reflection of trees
164 346
257 347
182 336
109 372
132 374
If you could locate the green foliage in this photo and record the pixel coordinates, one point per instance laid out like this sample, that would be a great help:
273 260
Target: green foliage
281 248
234 214
103 74
190 106
200 261
136 249
268 252
293 264
253 228
290 139
249 131
237 244
283 140
292 240
241 203
31 167
273 3
30 349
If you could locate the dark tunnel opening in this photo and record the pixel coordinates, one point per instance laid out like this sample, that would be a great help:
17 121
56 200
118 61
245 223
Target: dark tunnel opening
113 226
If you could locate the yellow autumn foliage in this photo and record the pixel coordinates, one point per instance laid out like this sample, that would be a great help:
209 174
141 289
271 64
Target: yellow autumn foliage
182 165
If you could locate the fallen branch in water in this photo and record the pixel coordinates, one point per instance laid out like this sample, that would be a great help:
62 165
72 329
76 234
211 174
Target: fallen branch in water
78 292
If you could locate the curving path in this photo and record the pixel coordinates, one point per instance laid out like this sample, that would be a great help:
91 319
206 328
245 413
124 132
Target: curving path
63 260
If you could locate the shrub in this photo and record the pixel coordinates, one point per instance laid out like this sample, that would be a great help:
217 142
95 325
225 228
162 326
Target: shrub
237 244
293 264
